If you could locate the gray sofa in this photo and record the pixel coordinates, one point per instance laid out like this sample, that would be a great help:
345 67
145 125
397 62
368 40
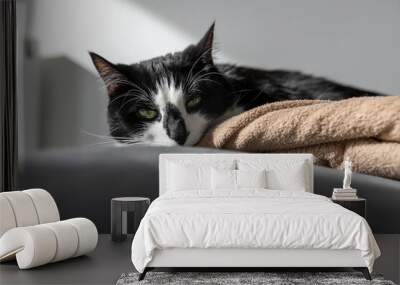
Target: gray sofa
83 181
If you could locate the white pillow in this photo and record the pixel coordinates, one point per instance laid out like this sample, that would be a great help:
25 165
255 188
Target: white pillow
223 179
282 174
183 175
183 178
226 179
251 179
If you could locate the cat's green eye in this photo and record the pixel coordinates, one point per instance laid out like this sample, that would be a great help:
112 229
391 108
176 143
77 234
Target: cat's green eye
147 114
193 102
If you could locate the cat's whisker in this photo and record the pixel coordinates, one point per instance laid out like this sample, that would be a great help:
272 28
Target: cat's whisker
137 101
140 96
241 96
197 75
119 97
133 99
190 74
95 135
127 142
200 77
100 143
117 80
208 80
132 95
206 74
262 89
241 91
192 87
104 136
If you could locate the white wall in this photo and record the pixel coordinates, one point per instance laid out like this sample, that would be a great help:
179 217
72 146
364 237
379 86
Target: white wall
354 41
121 30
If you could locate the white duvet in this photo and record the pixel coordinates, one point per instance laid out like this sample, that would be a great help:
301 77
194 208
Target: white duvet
250 219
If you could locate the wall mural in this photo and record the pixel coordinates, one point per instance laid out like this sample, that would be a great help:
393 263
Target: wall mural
175 99
275 85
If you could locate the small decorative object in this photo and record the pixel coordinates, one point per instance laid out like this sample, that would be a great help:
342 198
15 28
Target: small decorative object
344 194
347 192
347 174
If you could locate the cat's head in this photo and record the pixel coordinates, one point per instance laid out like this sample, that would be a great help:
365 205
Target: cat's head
166 100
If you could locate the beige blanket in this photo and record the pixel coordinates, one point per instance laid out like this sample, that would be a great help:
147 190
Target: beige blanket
367 130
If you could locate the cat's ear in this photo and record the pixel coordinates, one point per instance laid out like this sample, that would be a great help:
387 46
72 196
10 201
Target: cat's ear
205 45
110 74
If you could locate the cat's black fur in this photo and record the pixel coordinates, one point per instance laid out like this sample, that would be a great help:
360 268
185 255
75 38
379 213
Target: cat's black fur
267 86
224 89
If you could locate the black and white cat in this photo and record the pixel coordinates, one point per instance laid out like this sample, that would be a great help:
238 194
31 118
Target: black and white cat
174 99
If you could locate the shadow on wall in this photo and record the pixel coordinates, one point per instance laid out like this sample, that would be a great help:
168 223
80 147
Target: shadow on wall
72 103
328 38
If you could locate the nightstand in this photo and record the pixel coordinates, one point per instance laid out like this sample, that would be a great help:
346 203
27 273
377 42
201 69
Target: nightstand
119 215
358 206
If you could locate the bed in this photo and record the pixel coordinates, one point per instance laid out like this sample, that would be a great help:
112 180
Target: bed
281 223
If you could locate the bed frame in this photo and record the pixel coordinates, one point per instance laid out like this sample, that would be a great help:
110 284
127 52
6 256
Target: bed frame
246 259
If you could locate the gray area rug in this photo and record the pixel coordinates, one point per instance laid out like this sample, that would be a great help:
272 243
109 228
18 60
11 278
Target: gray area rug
269 278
